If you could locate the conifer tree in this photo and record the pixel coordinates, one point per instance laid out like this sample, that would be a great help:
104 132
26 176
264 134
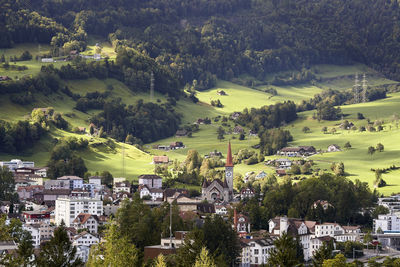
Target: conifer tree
58 251
204 259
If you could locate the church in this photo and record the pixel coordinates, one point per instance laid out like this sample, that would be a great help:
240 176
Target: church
217 189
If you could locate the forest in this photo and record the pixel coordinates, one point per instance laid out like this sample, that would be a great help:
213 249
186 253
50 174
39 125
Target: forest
199 39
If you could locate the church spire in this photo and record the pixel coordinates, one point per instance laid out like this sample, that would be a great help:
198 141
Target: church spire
229 161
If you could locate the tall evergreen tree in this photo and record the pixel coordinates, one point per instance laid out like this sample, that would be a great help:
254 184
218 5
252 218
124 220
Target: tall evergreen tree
204 259
285 252
58 251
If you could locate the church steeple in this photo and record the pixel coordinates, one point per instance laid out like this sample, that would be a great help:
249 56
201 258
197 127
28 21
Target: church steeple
229 161
229 170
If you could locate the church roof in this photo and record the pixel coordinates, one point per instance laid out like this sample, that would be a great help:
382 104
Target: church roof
229 161
207 183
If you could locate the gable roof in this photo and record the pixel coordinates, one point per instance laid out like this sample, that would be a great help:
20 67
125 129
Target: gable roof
149 176
207 183
161 159
82 218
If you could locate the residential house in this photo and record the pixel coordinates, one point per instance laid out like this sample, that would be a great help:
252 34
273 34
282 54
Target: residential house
333 148
176 145
54 194
323 203
247 193
256 252
86 221
34 230
241 223
154 193
36 217
27 192
238 130
235 115
297 151
56 184
280 172
181 133
160 160
122 187
85 238
4 78
283 163
221 209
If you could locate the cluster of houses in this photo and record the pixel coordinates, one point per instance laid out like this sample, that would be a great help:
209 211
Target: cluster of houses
172 146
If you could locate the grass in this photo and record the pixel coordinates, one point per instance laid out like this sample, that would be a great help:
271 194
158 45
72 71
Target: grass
356 160
101 157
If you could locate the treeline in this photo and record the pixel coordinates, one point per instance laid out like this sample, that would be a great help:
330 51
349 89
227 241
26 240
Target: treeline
146 121
268 117
349 202
16 137
198 38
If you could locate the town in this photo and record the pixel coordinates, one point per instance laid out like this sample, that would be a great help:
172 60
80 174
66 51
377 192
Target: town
84 207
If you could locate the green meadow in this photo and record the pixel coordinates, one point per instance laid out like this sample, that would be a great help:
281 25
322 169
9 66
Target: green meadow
103 156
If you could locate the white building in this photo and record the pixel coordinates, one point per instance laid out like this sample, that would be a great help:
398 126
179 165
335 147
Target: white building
256 251
34 230
221 210
67 209
154 193
75 182
14 164
392 203
151 181
82 252
86 221
85 239
122 187
387 223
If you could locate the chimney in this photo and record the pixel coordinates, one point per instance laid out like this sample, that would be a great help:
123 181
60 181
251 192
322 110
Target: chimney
235 219
283 225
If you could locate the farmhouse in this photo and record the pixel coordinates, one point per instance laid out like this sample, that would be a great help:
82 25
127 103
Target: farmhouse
297 151
160 160
261 175
221 92
238 130
235 115
280 172
181 133
177 145
283 163
333 148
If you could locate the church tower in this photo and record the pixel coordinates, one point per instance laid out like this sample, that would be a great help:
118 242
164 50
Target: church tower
229 169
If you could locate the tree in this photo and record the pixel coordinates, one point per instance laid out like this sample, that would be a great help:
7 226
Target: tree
347 145
379 210
367 238
160 261
323 253
204 259
91 130
371 150
338 261
242 136
220 133
285 252
58 251
115 251
360 116
306 129
7 185
380 147
324 129
107 178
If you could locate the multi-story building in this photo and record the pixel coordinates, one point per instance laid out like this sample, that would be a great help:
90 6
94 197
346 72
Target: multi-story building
74 181
67 209
256 251
151 181
86 221
14 164
387 223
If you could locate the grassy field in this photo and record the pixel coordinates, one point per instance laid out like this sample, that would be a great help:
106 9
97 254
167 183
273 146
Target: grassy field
357 161
101 157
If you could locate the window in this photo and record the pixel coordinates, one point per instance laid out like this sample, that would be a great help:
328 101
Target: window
256 252
256 260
